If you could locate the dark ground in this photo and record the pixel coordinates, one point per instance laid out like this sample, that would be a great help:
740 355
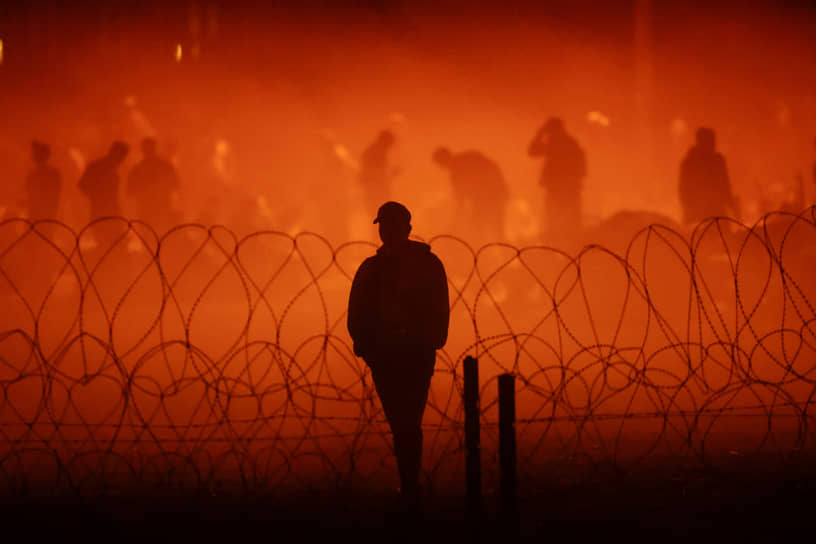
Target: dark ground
742 503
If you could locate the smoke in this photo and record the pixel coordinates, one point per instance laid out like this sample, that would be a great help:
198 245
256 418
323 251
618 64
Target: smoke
280 104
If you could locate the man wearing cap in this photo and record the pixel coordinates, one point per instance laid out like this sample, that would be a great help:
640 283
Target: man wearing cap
398 317
152 185
100 181
43 184
562 176
376 173
479 190
704 185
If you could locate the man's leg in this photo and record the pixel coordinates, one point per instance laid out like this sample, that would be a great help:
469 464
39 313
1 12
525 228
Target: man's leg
553 214
408 439
403 397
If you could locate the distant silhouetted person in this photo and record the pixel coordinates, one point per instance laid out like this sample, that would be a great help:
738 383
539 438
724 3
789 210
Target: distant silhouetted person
151 187
704 187
100 182
562 177
43 185
479 190
398 317
376 173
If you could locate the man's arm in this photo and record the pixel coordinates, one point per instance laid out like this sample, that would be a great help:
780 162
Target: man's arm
733 202
439 320
173 180
582 164
88 180
131 182
360 320
537 147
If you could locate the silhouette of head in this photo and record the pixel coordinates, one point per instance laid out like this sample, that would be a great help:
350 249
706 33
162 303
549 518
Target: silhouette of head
386 138
442 156
40 152
394 220
149 147
118 151
554 125
705 138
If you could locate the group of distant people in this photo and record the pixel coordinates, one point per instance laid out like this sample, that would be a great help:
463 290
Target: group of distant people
398 312
150 189
479 190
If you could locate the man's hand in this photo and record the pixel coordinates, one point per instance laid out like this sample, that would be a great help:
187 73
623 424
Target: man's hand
366 352
358 350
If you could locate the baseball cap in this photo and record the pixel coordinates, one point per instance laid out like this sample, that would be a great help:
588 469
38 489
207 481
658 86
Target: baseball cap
393 212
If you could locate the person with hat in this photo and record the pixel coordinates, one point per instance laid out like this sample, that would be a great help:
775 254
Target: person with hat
375 172
398 316
479 190
43 185
100 181
562 177
704 186
152 187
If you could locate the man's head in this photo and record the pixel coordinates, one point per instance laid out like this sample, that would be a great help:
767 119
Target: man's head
705 138
149 147
386 138
394 221
442 156
118 151
554 125
40 152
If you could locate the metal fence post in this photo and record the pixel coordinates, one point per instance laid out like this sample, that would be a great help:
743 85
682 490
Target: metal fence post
473 454
507 449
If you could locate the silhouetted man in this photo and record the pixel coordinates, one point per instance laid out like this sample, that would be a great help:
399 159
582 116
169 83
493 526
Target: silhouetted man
151 187
397 318
43 185
704 187
375 173
479 190
562 176
100 182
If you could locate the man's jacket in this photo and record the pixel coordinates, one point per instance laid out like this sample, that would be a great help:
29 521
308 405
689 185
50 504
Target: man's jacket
398 302
565 167
705 188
